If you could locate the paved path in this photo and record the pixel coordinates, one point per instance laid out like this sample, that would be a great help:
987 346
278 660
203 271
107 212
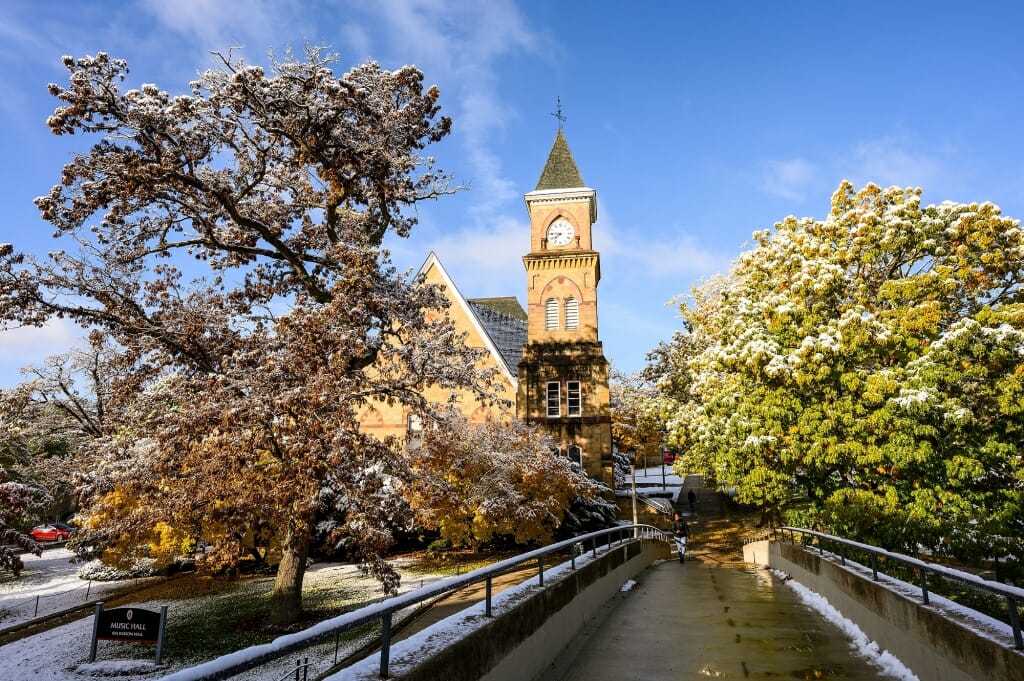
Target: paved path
711 617
704 620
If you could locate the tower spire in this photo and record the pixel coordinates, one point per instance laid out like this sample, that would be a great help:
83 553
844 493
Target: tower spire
560 172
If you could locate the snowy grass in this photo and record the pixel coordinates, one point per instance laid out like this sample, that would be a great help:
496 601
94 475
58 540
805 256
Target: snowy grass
207 617
50 584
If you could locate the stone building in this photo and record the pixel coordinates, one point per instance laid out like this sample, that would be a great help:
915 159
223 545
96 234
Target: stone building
550 359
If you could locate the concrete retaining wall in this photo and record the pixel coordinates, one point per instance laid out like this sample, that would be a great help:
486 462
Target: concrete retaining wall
933 646
522 641
558 614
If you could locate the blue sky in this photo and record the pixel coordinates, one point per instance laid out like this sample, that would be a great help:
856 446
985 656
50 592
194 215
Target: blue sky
696 122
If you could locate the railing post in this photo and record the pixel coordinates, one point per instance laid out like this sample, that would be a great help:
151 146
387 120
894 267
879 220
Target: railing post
842 554
36 612
160 635
385 644
1018 641
874 566
95 631
924 585
487 598
540 570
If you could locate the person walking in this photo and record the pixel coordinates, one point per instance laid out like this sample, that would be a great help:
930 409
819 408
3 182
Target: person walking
692 498
681 531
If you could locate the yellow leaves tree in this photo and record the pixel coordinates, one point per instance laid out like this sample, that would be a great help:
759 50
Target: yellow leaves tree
473 483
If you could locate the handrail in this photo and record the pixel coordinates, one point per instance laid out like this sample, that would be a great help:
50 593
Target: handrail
1014 595
235 663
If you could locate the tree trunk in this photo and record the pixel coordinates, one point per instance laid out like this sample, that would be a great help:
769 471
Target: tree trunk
286 599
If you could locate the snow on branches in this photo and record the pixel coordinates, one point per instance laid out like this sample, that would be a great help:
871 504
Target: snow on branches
872 361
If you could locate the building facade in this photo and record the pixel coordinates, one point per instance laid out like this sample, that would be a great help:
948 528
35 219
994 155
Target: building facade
549 356
562 378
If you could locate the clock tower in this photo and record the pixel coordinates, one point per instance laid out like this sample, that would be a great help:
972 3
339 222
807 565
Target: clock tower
563 375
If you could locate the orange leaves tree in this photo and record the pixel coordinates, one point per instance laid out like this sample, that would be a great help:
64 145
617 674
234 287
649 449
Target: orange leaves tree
229 242
473 483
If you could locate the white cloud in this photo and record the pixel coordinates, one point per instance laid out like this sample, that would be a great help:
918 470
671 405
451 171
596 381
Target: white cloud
482 261
26 346
891 161
788 179
657 253
460 44
215 24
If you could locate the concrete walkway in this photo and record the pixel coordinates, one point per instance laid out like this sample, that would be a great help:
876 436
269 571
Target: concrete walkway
703 620
711 617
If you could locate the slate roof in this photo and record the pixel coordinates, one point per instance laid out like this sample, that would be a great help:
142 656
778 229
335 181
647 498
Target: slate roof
504 320
560 172
506 305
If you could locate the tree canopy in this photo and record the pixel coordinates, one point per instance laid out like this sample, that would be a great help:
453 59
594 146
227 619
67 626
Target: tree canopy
228 243
476 482
872 362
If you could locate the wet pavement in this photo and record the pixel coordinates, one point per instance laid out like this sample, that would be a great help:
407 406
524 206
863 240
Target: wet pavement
704 620
709 619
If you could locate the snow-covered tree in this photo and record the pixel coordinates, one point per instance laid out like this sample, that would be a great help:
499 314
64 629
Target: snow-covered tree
15 497
228 242
635 425
49 419
873 361
476 482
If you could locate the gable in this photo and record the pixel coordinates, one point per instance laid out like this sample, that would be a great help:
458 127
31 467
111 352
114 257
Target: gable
498 332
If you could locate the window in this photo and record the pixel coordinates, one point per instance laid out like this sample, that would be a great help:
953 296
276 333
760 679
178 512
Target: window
576 454
551 314
413 431
554 399
572 314
573 398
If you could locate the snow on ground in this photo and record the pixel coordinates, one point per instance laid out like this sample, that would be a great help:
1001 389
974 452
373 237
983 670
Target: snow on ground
654 481
49 584
62 653
408 653
868 649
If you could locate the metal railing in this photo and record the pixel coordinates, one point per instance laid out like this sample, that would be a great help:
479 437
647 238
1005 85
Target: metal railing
1014 596
235 663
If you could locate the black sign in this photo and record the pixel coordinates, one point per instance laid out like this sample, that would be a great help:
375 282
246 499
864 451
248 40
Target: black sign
128 625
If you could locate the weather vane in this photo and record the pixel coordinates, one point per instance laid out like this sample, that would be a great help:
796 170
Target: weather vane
558 113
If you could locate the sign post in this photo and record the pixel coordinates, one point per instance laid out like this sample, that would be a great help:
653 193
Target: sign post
129 625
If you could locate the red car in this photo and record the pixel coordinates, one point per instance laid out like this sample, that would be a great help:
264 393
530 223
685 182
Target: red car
51 532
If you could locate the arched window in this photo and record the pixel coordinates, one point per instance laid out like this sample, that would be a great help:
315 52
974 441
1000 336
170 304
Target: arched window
572 314
576 454
551 314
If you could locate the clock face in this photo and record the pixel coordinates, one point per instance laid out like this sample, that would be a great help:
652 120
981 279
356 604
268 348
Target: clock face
560 233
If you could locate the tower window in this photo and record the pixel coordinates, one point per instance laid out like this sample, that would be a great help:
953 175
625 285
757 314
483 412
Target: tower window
572 314
551 314
554 401
414 431
573 398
